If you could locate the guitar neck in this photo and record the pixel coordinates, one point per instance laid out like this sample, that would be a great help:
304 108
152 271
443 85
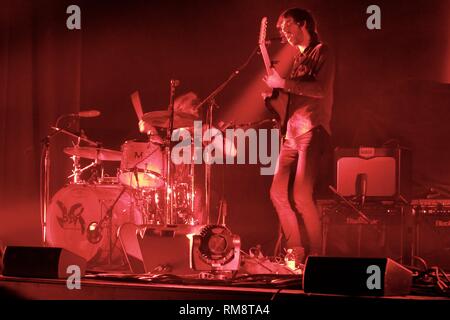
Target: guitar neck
265 56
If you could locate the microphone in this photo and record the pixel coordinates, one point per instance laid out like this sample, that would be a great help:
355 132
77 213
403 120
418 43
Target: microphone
361 187
86 114
174 83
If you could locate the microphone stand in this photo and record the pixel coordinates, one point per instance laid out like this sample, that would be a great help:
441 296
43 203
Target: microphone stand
210 100
170 219
45 184
360 214
348 203
73 135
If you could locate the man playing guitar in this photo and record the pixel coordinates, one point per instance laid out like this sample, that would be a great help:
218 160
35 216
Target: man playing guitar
308 97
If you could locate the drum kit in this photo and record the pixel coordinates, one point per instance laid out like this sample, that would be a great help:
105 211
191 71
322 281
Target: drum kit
85 215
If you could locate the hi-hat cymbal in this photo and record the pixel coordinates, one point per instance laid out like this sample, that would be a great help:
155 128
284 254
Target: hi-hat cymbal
94 153
161 119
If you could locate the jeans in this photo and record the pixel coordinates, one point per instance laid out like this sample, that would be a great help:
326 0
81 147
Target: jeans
300 156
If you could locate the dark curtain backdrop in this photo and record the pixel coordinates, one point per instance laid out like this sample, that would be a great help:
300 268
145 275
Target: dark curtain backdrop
391 83
40 80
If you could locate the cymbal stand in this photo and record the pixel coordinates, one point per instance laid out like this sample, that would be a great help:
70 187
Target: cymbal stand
77 170
170 219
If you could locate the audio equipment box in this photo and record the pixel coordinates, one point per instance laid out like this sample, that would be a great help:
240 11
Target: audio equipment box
381 173
432 241
388 232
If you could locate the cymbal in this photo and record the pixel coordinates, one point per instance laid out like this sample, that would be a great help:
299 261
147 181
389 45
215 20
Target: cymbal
94 153
161 119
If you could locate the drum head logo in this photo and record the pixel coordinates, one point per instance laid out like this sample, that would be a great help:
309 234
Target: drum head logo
71 218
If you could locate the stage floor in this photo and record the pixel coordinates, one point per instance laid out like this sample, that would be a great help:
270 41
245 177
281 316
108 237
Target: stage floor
112 288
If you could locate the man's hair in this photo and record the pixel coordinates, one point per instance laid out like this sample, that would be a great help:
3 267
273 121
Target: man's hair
302 17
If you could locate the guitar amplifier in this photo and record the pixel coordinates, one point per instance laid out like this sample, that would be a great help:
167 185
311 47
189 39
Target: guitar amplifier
388 232
433 231
385 172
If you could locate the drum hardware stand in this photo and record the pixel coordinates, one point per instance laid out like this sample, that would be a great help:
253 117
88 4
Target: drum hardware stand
106 219
77 171
209 117
135 167
140 192
170 219
97 166
193 196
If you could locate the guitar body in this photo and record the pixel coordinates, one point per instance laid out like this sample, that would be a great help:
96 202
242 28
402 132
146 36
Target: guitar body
277 104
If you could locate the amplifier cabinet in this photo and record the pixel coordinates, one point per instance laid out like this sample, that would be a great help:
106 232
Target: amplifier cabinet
386 171
433 231
389 232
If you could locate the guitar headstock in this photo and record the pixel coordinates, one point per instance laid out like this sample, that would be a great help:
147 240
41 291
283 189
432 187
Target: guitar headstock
263 31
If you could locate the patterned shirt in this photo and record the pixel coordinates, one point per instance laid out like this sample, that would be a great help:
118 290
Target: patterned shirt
310 89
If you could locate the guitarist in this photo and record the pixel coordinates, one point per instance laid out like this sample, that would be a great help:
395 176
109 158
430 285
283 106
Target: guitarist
309 91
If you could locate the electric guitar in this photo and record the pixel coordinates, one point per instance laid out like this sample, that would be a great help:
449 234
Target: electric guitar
278 100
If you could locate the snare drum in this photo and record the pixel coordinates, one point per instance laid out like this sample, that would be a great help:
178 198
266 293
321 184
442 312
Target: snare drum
76 208
141 165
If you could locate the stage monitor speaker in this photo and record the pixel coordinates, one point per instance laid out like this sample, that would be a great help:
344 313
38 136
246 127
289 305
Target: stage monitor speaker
40 262
385 172
158 249
356 276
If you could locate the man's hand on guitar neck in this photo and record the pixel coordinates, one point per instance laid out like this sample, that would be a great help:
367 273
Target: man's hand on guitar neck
274 80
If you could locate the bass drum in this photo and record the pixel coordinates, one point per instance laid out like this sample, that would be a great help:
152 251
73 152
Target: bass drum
77 220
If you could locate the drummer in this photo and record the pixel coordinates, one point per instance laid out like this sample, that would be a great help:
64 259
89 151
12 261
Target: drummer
188 104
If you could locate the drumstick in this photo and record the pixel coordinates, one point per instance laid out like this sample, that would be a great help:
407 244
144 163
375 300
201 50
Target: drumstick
137 104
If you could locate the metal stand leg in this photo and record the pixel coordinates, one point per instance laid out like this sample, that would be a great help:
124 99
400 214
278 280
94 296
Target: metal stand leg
409 235
169 189
325 223
45 187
